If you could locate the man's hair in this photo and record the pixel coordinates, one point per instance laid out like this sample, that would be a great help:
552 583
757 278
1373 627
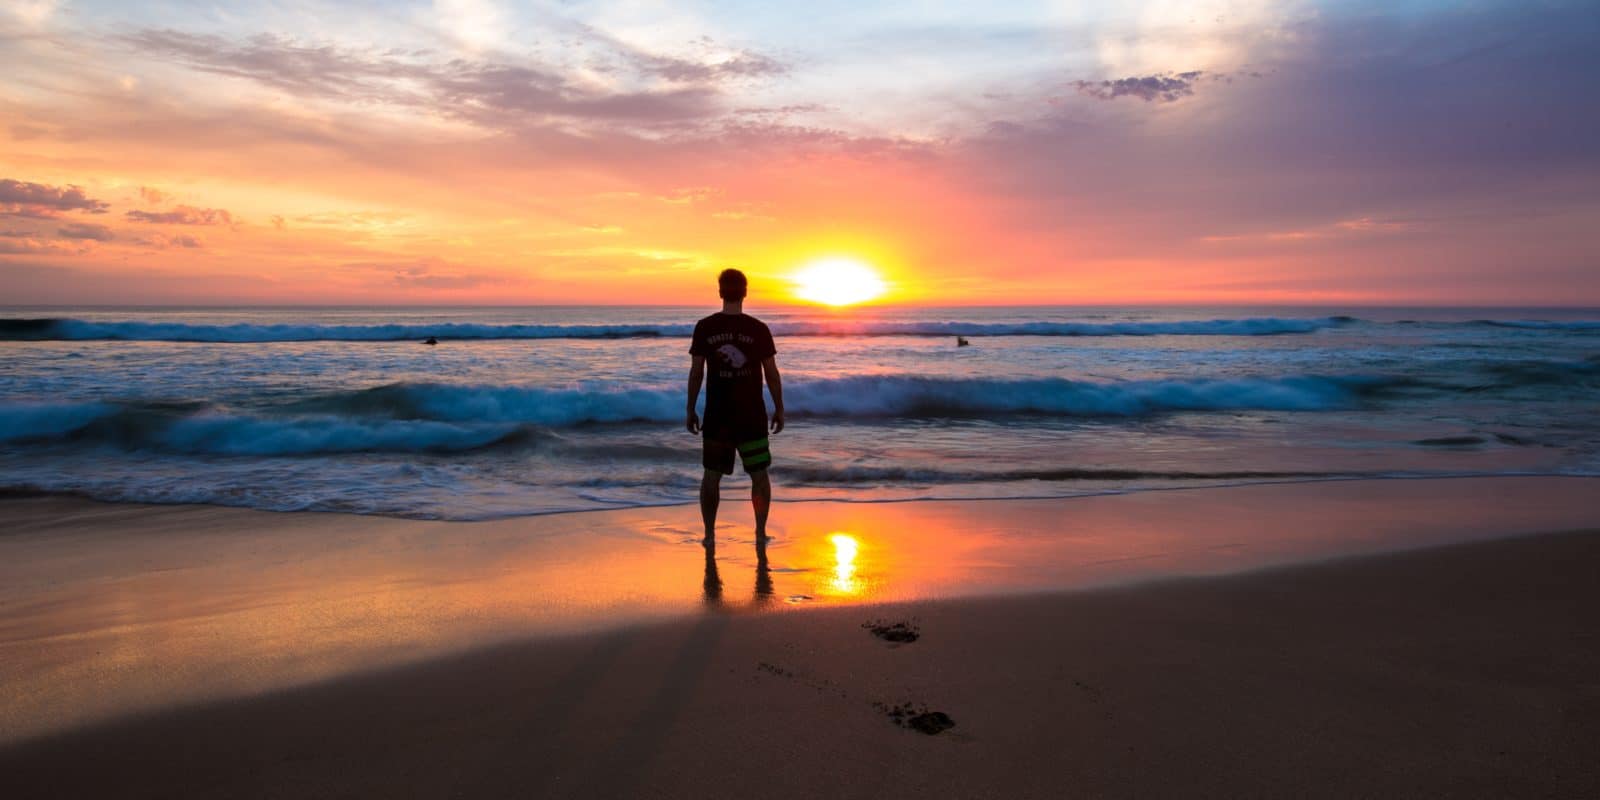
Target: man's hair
731 284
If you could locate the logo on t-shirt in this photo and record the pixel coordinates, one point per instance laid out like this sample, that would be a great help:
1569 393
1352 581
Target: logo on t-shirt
732 355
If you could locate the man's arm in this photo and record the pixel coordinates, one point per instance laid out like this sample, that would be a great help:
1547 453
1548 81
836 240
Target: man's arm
769 366
697 374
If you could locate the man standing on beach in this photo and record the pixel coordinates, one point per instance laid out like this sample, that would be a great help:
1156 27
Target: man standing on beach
740 350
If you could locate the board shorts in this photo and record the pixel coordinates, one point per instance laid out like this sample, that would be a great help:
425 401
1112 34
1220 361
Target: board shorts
753 454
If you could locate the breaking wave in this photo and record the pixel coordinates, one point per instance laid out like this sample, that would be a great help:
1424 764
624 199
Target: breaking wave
213 432
866 396
86 330
447 418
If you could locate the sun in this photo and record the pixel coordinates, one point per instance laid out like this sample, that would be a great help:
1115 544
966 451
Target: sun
837 282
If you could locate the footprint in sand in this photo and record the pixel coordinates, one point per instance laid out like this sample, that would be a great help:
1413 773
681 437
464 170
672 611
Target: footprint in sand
917 718
912 716
673 534
894 632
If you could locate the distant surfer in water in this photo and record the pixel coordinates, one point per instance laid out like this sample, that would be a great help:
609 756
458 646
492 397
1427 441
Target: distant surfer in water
430 340
740 352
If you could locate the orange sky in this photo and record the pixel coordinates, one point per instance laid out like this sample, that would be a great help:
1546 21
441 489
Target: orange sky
481 152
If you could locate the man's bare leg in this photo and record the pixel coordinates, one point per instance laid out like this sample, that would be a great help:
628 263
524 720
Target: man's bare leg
761 499
710 495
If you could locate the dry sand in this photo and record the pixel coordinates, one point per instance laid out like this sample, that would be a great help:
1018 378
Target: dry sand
1461 670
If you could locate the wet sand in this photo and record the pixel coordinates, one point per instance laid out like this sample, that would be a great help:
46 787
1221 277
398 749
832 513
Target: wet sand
1464 669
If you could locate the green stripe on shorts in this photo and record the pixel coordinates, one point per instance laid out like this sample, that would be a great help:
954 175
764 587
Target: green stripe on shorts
755 454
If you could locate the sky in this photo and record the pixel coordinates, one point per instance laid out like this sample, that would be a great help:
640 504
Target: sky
624 151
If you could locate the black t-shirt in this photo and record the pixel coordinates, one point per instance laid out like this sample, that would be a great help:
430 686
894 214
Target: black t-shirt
733 345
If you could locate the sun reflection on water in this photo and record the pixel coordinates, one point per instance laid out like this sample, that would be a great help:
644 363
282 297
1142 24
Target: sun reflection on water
845 548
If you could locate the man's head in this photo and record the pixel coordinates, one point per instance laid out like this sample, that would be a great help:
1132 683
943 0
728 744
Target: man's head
731 284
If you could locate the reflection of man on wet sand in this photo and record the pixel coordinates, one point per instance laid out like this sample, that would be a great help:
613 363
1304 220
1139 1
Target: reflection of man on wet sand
763 574
739 351
713 582
713 579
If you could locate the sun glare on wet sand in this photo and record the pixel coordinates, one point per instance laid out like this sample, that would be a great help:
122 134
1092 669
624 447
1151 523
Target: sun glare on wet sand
845 548
838 282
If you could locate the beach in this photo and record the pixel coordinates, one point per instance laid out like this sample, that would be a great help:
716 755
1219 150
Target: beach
1150 400
1350 638
469 398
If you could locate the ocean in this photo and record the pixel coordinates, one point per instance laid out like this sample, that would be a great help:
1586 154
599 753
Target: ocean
532 410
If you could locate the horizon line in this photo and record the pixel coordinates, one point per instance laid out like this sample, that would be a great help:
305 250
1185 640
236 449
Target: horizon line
793 306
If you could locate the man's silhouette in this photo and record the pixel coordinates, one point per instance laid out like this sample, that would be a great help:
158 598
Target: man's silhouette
739 351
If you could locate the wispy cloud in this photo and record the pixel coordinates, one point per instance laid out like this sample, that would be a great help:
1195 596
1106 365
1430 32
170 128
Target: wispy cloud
428 273
495 91
164 241
32 13
183 215
36 247
357 219
474 25
86 230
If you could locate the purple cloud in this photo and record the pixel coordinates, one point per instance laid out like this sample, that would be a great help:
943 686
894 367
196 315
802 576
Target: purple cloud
1160 88
40 201
744 65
